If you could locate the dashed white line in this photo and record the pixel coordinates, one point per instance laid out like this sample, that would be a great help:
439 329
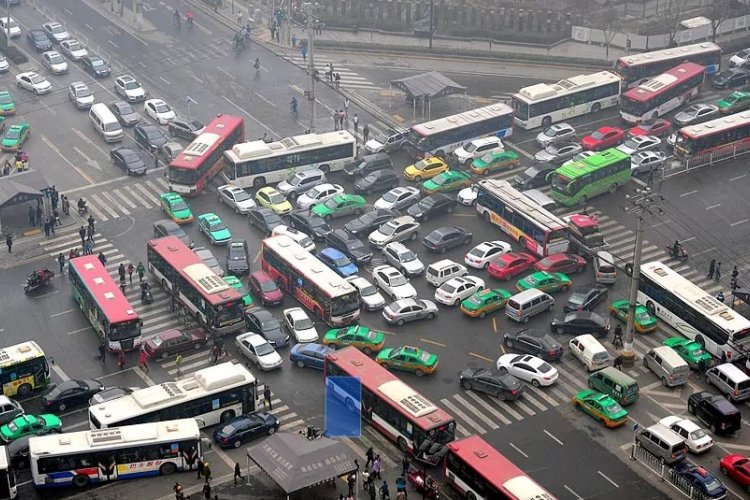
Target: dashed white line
67 11
265 100
252 117
89 27
608 479
688 193
738 222
711 207
225 72
578 497
113 44
196 78
553 437
524 455
738 178
60 372
164 80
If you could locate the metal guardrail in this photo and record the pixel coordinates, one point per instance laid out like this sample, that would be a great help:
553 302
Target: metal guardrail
677 167
666 473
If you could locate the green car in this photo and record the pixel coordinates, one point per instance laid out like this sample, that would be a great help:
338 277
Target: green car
452 180
602 407
361 337
544 281
214 228
7 104
485 302
16 136
734 103
644 321
175 207
235 283
407 358
691 351
30 425
340 206
494 160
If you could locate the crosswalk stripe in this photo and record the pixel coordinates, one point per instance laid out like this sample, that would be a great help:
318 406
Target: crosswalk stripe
156 189
654 255
139 199
559 393
463 416
164 184
531 399
542 394
147 194
296 424
116 203
508 407
279 408
104 206
73 242
479 414
125 199
488 407
97 213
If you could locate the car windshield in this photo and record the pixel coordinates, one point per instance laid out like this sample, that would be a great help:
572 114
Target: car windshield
398 280
57 29
427 202
550 132
598 135
544 368
179 205
36 79
408 256
577 298
305 242
132 86
488 157
341 261
236 253
13 133
712 484
382 138
448 288
74 46
240 196
56 58
368 290
157 341
277 199
332 203
439 180
130 157
154 133
39 36
421 165
124 109
631 144
83 92
264 349
613 408
391 196
97 62
5 98
388 229
470 148
303 324
268 286
269 324
698 434
162 108
217 225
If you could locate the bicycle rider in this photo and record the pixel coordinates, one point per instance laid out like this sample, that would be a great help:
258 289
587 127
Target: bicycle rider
189 17
176 17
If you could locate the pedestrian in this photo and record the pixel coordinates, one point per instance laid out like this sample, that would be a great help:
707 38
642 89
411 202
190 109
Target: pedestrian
206 472
618 362
176 486
376 468
717 273
121 359
371 490
102 352
32 214
303 51
267 397
122 285
141 271
207 491
369 455
56 217
351 481
239 17
355 121
51 223
405 465
38 215
711 268
46 227
294 40
72 254
102 258
338 80
617 340
121 271
200 467
131 268
735 273
384 493
173 301
215 355
88 249
89 234
82 234
143 361
329 73
178 363
335 118
365 133
19 166
90 220
237 472
66 205
9 242
720 296
61 261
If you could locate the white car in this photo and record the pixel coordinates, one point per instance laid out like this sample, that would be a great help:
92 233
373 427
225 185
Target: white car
672 139
299 324
398 229
318 194
33 82
468 196
740 59
301 238
556 133
398 198
453 291
697 440
159 111
80 95
4 66
392 282
257 349
56 32
481 255
54 62
528 368
645 161
128 87
398 255
580 156
371 298
639 143
236 197
73 49
10 26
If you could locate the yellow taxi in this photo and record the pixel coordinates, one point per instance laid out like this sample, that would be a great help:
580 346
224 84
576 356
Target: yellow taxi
425 169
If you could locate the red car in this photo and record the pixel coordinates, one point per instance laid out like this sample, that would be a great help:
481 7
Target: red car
737 467
653 126
603 138
509 265
561 263
265 288
171 342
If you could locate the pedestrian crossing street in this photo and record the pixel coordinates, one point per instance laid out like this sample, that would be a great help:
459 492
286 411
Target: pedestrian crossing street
115 202
349 79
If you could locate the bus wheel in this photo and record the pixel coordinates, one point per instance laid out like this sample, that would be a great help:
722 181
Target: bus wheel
486 216
81 481
596 107
651 309
259 182
546 121
613 187
402 445
325 169
167 469
226 416
23 390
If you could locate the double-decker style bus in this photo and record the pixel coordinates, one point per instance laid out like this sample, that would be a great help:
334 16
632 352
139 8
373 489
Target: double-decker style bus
23 369
402 414
8 485
440 137
133 451
310 281
727 137
661 94
637 68
257 163
477 470
216 306
543 104
693 312
210 396
104 305
535 228
578 182
198 163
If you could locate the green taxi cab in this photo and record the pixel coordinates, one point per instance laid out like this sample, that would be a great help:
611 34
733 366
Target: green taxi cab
644 322
7 104
691 351
30 425
425 169
235 283
602 407
212 226
734 103
496 159
452 180
408 358
340 206
15 136
544 281
175 207
484 302
363 338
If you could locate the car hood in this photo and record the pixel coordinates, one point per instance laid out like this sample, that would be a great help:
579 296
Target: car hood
413 266
406 291
544 157
307 335
270 359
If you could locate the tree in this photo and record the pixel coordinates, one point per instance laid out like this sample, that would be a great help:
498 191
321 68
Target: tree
610 22
718 12
671 21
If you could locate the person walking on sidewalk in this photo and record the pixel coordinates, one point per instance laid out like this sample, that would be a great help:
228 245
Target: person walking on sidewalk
46 227
355 121
66 205
371 490
9 242
61 261
351 482
207 491
121 359
365 133
376 468
717 273
141 271
131 268
237 472
405 465
338 80
267 397
369 455
103 352
143 361
711 268
618 362
200 467
206 472
90 234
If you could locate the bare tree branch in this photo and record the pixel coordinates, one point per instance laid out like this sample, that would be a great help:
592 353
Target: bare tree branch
719 11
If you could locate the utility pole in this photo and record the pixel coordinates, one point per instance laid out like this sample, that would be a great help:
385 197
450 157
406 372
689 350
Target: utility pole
642 203
311 64
432 12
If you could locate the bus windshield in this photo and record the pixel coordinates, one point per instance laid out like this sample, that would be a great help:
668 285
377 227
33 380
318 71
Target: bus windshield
181 175
125 330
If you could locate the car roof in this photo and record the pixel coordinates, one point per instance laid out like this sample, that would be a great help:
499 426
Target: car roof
332 253
261 314
169 334
255 339
401 303
261 276
296 312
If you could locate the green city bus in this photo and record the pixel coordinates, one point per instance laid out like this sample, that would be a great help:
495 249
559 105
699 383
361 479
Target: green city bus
578 182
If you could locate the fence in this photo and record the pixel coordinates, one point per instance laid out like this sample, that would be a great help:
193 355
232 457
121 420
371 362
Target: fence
721 154
666 474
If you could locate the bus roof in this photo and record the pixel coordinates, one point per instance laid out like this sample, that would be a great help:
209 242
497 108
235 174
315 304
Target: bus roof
254 150
665 54
718 125
544 91
461 119
114 438
107 294
206 143
20 352
591 163
309 266
379 380
664 82
192 268
522 203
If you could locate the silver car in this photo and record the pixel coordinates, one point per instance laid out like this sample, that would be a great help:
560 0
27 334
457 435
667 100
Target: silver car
406 310
558 152
372 300
559 132
398 198
208 258
695 113
80 95
400 257
646 161
398 229
639 143
236 197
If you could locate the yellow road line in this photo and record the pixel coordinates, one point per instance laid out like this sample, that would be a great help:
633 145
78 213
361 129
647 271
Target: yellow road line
494 325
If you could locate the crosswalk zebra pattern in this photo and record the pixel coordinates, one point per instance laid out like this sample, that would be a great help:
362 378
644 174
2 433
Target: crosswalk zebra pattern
127 199
349 79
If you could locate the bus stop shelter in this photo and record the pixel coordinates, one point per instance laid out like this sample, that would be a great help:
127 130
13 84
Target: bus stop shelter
17 190
426 87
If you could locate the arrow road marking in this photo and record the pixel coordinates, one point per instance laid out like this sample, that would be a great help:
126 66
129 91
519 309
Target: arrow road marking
89 161
80 171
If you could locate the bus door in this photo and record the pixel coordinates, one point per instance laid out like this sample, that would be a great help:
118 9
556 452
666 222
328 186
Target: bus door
107 467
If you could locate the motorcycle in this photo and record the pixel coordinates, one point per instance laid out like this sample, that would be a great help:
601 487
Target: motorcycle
146 296
681 256
422 483
38 279
83 210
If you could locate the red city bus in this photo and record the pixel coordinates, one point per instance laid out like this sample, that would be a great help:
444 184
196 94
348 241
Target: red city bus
198 163
216 306
395 409
477 470
104 305
723 138
637 68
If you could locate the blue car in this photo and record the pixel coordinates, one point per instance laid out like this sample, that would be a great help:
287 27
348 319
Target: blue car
701 480
309 355
338 262
241 429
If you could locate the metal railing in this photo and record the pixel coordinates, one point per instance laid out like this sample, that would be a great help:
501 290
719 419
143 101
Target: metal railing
666 473
677 166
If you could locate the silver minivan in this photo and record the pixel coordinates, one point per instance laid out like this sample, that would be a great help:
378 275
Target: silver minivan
604 268
667 365
730 380
662 442
523 306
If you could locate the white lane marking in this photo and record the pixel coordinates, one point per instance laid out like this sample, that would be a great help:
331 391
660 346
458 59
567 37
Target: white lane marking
463 416
60 373
553 437
113 44
146 193
164 80
105 206
265 100
225 72
738 178
124 198
61 313
608 479
89 27
711 207
524 455
688 193
578 497
479 414
196 78
252 117
79 331
116 203
488 407
738 222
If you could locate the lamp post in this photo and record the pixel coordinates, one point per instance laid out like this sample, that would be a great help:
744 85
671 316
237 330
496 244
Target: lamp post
311 63
188 101
432 12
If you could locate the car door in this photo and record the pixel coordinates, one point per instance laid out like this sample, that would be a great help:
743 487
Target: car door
522 371
249 351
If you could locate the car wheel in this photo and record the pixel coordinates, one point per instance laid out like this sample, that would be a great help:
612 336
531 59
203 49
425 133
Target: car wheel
386 366
559 330
81 480
466 384
502 370
271 430
237 443
535 382
467 240
564 288
590 384
300 363
367 350
456 302
419 372
714 428
581 269
691 409
500 395
413 236
509 343
664 381
62 407
525 319
400 322
430 316
358 212
443 249
724 471
417 178
482 315
328 218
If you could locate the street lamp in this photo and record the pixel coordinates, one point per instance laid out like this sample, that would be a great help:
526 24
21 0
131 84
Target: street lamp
432 11
189 100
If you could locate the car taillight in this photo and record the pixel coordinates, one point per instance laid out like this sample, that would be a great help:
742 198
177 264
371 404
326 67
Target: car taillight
552 353
514 391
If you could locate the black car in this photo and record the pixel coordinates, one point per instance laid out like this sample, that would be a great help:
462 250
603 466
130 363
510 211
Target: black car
96 66
185 129
579 323
238 262
241 429
349 245
310 224
262 321
18 449
38 40
124 113
715 411
167 227
377 181
501 385
444 238
370 221
433 205
149 137
368 163
70 393
128 160
109 394
533 177
264 219
586 298
544 347
732 77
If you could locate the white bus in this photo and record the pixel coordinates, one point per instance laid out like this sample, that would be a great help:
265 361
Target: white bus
8 486
637 68
257 163
128 452
693 312
542 104
442 136
211 395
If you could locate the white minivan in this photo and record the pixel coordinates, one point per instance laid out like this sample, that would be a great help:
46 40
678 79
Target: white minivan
589 351
105 123
476 148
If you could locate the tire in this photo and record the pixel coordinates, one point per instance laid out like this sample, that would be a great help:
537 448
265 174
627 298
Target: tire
367 350
400 322
502 370
167 469
546 121
591 386
328 218
419 372
456 302
386 366
535 382
300 363
525 320
500 395
564 288
226 416
486 217
237 444
583 201
358 212
509 343
402 445
443 250
466 385
271 430
467 240
418 178
559 330
81 481
62 407
448 210
714 428
259 182
23 390
431 316
326 169
413 236
652 309
596 107
581 269
664 381
613 188
724 471
482 315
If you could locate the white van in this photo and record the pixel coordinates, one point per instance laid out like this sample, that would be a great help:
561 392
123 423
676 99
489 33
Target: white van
589 351
523 306
476 148
730 380
105 123
664 361
444 270
604 268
